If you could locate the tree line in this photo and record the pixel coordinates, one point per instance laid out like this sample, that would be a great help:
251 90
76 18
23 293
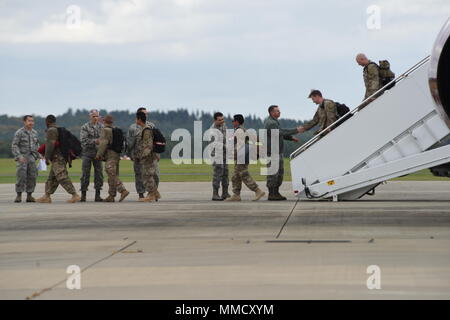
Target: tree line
166 121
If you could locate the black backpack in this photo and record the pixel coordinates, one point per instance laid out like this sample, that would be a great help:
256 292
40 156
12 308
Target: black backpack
159 142
118 140
341 109
69 145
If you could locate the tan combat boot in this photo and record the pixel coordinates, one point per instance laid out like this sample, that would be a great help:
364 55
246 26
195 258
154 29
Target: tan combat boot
75 198
157 195
45 199
123 195
110 198
234 197
258 194
149 198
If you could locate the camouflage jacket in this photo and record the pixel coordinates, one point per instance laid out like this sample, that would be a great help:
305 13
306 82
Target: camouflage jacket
133 132
88 134
284 134
25 143
144 143
106 139
371 79
51 137
217 144
325 115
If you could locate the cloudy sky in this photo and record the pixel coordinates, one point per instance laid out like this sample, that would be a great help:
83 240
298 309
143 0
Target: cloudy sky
228 55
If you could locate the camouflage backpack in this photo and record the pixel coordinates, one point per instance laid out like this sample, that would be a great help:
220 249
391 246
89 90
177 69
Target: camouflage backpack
386 74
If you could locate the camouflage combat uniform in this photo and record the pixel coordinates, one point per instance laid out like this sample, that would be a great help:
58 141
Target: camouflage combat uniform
241 174
25 145
112 159
88 134
371 79
275 180
133 132
220 170
58 171
325 115
146 158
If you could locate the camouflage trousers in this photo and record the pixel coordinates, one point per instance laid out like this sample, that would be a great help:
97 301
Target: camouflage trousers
241 175
86 163
26 174
220 175
59 176
275 180
148 166
112 170
138 180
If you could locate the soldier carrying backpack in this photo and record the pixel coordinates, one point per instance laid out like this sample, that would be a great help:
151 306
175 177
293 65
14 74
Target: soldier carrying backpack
375 76
110 147
60 147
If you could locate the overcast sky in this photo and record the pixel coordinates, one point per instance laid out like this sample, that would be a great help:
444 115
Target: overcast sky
236 56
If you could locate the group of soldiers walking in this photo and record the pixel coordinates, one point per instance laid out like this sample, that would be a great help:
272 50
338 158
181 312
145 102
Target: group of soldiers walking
97 140
97 137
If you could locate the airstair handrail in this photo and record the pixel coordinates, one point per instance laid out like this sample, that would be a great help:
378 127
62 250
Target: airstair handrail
363 104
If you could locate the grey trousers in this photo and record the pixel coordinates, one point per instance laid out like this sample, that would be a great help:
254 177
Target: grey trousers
26 174
86 163
275 180
220 176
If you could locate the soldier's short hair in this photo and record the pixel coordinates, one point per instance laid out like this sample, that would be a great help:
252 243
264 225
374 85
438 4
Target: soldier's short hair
108 119
239 118
141 116
271 108
315 93
141 109
50 118
25 118
93 111
218 114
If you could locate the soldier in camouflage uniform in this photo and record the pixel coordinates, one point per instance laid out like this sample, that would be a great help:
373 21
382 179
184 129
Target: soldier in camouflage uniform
146 157
220 169
24 149
89 138
58 171
112 159
133 132
274 181
241 174
371 76
325 115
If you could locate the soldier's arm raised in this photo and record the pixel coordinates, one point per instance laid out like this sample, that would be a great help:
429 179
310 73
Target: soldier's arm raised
313 122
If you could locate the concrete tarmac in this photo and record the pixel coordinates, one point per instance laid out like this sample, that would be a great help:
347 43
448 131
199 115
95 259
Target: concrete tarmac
188 247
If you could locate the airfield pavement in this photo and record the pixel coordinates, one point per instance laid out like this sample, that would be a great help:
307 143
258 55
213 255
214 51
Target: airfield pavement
188 247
